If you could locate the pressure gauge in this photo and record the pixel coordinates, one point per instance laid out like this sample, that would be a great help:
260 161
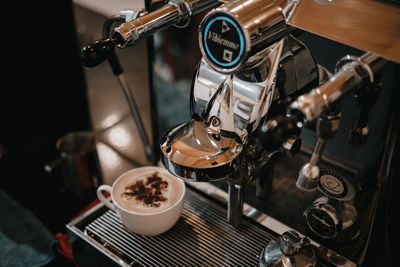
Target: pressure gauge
328 217
323 218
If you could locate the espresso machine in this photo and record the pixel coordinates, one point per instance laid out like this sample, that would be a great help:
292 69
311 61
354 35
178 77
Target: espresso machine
266 134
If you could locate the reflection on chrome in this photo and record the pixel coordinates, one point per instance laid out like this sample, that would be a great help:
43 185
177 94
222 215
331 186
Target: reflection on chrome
110 121
120 136
199 146
108 156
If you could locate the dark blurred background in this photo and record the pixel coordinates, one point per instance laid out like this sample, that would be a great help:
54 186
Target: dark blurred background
43 97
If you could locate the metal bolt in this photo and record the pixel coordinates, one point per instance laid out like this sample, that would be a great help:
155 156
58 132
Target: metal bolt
216 122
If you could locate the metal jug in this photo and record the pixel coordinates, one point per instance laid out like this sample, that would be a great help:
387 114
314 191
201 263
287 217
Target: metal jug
77 166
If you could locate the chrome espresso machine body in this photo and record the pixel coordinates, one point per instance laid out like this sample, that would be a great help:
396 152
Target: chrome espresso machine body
257 96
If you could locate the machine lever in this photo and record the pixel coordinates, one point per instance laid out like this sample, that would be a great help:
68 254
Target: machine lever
98 51
351 76
365 98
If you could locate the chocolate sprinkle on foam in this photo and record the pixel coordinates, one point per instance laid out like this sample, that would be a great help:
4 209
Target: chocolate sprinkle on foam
148 192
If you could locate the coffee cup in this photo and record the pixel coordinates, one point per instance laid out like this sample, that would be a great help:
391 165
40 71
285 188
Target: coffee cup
148 200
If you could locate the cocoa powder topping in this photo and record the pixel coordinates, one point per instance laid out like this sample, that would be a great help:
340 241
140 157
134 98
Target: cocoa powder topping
149 192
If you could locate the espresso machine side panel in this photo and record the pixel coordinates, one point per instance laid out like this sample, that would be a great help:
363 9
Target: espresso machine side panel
112 97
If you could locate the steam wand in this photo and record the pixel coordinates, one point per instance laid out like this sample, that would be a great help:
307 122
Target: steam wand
357 73
94 54
326 127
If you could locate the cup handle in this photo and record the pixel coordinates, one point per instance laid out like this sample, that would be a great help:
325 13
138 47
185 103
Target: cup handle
106 201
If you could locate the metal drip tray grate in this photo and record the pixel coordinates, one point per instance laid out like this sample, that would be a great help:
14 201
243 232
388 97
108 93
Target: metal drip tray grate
201 237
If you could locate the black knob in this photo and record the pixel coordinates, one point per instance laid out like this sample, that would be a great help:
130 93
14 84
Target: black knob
95 53
281 127
359 136
365 97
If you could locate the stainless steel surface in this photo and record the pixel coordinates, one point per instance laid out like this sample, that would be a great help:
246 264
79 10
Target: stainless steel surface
291 243
227 109
201 237
133 108
285 196
193 151
261 24
132 31
326 128
176 12
318 150
349 77
308 177
250 100
272 254
364 24
254 89
239 104
289 250
323 219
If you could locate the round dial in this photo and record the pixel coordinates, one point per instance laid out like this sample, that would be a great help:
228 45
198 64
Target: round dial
335 186
322 222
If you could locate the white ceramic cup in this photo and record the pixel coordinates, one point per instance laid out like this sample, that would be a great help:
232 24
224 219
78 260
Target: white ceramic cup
149 223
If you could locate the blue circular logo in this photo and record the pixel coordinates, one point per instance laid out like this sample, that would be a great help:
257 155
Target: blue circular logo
223 41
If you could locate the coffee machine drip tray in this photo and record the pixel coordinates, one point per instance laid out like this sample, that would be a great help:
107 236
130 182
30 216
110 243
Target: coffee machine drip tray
201 237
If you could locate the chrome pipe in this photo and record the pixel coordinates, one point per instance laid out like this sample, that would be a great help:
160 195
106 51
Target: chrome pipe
350 76
235 204
176 12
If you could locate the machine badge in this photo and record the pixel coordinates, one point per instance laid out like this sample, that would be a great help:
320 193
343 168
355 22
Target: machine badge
222 41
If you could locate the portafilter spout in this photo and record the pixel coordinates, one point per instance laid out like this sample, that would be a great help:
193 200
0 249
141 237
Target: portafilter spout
207 147
195 152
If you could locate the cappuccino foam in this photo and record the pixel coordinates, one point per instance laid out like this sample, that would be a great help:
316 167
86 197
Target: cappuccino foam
147 192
